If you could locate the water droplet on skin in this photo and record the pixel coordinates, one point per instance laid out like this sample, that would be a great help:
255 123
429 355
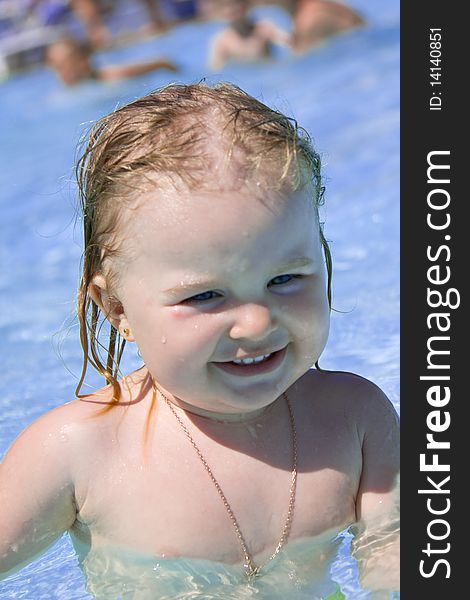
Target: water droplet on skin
163 339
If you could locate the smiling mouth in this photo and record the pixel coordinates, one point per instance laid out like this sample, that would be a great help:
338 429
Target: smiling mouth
252 360
264 363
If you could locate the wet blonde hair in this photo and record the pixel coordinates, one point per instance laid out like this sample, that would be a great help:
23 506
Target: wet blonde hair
179 135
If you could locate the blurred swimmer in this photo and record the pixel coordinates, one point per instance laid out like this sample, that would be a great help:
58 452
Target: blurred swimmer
243 39
314 21
88 12
71 61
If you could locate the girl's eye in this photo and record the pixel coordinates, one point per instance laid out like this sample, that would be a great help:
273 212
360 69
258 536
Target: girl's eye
211 294
283 279
203 297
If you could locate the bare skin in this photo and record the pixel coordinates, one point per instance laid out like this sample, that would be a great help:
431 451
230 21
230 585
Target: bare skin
101 479
243 40
72 64
317 20
314 21
230 45
93 484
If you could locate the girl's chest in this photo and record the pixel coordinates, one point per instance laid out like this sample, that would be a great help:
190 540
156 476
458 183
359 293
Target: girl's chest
181 503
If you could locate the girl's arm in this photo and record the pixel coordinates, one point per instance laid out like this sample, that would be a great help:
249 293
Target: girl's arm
376 545
36 491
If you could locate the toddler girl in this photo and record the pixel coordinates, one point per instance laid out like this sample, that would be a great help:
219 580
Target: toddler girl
226 460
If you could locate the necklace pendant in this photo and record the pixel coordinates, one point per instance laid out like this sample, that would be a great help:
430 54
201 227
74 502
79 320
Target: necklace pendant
251 571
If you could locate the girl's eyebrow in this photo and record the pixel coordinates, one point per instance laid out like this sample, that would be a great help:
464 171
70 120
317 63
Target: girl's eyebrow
292 263
295 263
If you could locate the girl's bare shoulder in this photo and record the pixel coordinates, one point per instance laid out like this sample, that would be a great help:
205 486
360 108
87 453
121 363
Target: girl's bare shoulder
80 423
341 392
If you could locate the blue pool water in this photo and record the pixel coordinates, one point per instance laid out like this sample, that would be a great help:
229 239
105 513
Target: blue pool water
345 93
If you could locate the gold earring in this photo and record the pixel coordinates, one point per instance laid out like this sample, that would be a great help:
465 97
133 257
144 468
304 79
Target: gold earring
125 331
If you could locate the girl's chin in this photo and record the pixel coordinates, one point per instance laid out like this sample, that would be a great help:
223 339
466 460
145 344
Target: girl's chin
227 414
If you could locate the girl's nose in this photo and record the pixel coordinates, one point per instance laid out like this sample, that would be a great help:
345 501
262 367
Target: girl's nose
252 321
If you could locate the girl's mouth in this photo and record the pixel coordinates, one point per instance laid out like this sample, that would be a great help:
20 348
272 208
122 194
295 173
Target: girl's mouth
264 363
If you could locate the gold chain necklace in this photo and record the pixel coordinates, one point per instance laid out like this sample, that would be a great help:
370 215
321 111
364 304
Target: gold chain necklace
249 566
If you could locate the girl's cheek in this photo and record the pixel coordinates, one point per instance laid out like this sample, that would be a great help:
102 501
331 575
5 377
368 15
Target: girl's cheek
305 304
191 315
181 312
192 324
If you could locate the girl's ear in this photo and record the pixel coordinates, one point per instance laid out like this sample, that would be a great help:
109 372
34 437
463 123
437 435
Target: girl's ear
110 306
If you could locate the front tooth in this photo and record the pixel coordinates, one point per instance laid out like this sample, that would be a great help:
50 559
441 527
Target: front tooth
249 361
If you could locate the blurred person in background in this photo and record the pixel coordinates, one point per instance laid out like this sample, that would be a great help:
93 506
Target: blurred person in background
72 62
244 39
88 12
157 23
92 15
314 21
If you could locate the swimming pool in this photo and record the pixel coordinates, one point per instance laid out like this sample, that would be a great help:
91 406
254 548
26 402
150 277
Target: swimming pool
346 94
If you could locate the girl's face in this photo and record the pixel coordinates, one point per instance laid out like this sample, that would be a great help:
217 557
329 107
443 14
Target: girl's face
212 280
